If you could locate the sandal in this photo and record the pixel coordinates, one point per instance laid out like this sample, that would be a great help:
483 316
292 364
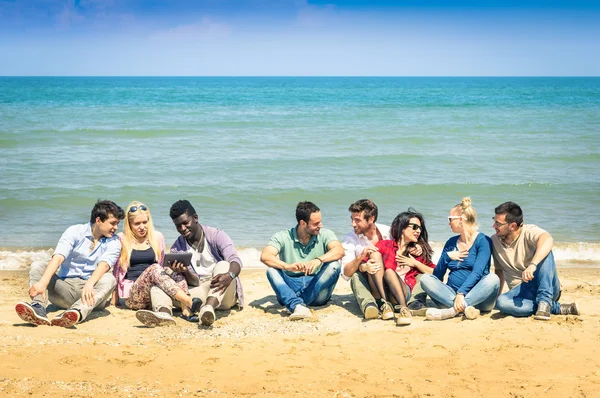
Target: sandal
196 305
191 318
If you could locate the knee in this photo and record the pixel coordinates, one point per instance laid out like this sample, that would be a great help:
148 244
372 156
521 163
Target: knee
492 281
334 267
273 275
503 303
222 267
108 280
427 280
37 268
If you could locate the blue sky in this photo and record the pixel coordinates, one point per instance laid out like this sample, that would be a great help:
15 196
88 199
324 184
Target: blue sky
299 38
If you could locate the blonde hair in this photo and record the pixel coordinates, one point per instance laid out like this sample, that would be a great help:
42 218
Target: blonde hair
467 211
129 237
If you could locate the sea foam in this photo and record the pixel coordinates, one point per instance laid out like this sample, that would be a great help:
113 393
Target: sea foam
570 254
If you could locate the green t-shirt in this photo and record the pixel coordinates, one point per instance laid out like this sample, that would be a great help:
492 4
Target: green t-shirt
291 250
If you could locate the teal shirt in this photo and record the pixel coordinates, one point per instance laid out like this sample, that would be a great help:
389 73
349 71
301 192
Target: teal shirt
291 250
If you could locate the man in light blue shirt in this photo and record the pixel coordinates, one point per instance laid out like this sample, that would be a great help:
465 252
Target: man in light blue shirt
83 256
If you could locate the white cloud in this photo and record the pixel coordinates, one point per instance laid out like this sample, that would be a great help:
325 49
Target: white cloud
206 28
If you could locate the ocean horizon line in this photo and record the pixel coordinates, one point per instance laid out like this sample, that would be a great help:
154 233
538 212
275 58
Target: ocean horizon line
318 76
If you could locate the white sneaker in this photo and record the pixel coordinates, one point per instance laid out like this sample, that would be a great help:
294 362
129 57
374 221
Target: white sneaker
207 315
436 314
300 312
472 312
152 319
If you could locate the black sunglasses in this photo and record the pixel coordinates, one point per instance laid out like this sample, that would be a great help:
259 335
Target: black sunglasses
133 209
415 227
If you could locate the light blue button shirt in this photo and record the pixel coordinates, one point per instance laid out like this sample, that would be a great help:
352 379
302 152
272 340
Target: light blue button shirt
74 245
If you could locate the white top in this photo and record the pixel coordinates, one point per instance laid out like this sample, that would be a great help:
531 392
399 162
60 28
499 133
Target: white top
354 245
203 263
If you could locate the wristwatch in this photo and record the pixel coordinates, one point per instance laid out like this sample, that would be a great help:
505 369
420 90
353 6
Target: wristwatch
232 275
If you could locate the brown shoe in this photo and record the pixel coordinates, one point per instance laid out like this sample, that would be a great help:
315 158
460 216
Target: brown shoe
404 317
543 312
387 312
569 309
472 312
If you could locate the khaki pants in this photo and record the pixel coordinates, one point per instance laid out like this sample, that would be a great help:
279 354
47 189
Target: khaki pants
66 293
226 299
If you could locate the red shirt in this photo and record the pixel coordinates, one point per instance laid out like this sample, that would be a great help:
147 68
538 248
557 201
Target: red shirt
388 249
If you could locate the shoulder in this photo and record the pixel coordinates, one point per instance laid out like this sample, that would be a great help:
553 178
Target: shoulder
452 241
283 235
532 229
385 244
350 238
384 230
483 238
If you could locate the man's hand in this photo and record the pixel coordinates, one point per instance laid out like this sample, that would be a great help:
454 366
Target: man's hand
366 253
295 267
407 261
416 250
458 255
177 266
459 303
310 266
87 294
528 273
219 283
370 267
36 289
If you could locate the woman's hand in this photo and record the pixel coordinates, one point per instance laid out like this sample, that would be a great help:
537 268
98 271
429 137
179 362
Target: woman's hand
406 261
459 303
458 255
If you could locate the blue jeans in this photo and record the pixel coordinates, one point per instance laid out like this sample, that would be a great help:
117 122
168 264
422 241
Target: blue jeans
311 290
482 296
524 299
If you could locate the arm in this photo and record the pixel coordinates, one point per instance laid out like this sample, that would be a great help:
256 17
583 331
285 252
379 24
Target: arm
87 293
483 248
543 248
51 268
350 262
412 262
335 251
270 259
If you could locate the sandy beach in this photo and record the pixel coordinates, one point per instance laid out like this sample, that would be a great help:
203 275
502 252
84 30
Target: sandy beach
257 351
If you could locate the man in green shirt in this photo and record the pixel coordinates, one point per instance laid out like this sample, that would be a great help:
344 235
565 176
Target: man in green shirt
302 262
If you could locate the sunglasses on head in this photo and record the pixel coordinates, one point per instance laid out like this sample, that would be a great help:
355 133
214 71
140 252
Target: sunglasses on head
133 209
415 227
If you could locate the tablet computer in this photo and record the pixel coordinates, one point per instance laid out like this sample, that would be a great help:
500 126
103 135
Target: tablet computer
185 258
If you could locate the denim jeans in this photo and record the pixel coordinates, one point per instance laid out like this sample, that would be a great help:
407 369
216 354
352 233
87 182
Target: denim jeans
524 299
311 290
482 296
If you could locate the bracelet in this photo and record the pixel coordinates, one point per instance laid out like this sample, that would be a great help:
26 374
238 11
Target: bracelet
534 264
321 261
460 294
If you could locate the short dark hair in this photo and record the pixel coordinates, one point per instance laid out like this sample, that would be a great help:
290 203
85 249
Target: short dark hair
180 207
104 209
513 212
365 205
304 210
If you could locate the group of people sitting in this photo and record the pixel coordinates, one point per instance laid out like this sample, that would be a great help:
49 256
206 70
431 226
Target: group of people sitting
390 269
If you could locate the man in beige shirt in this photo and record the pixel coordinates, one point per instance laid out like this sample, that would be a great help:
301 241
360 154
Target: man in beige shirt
523 258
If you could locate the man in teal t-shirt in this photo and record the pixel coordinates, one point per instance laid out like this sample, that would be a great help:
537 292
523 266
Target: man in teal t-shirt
303 262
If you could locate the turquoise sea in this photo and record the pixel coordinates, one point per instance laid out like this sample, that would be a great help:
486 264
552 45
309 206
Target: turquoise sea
244 151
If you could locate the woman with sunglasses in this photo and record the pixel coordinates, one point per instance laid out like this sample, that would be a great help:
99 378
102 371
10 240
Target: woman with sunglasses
394 272
470 287
138 271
